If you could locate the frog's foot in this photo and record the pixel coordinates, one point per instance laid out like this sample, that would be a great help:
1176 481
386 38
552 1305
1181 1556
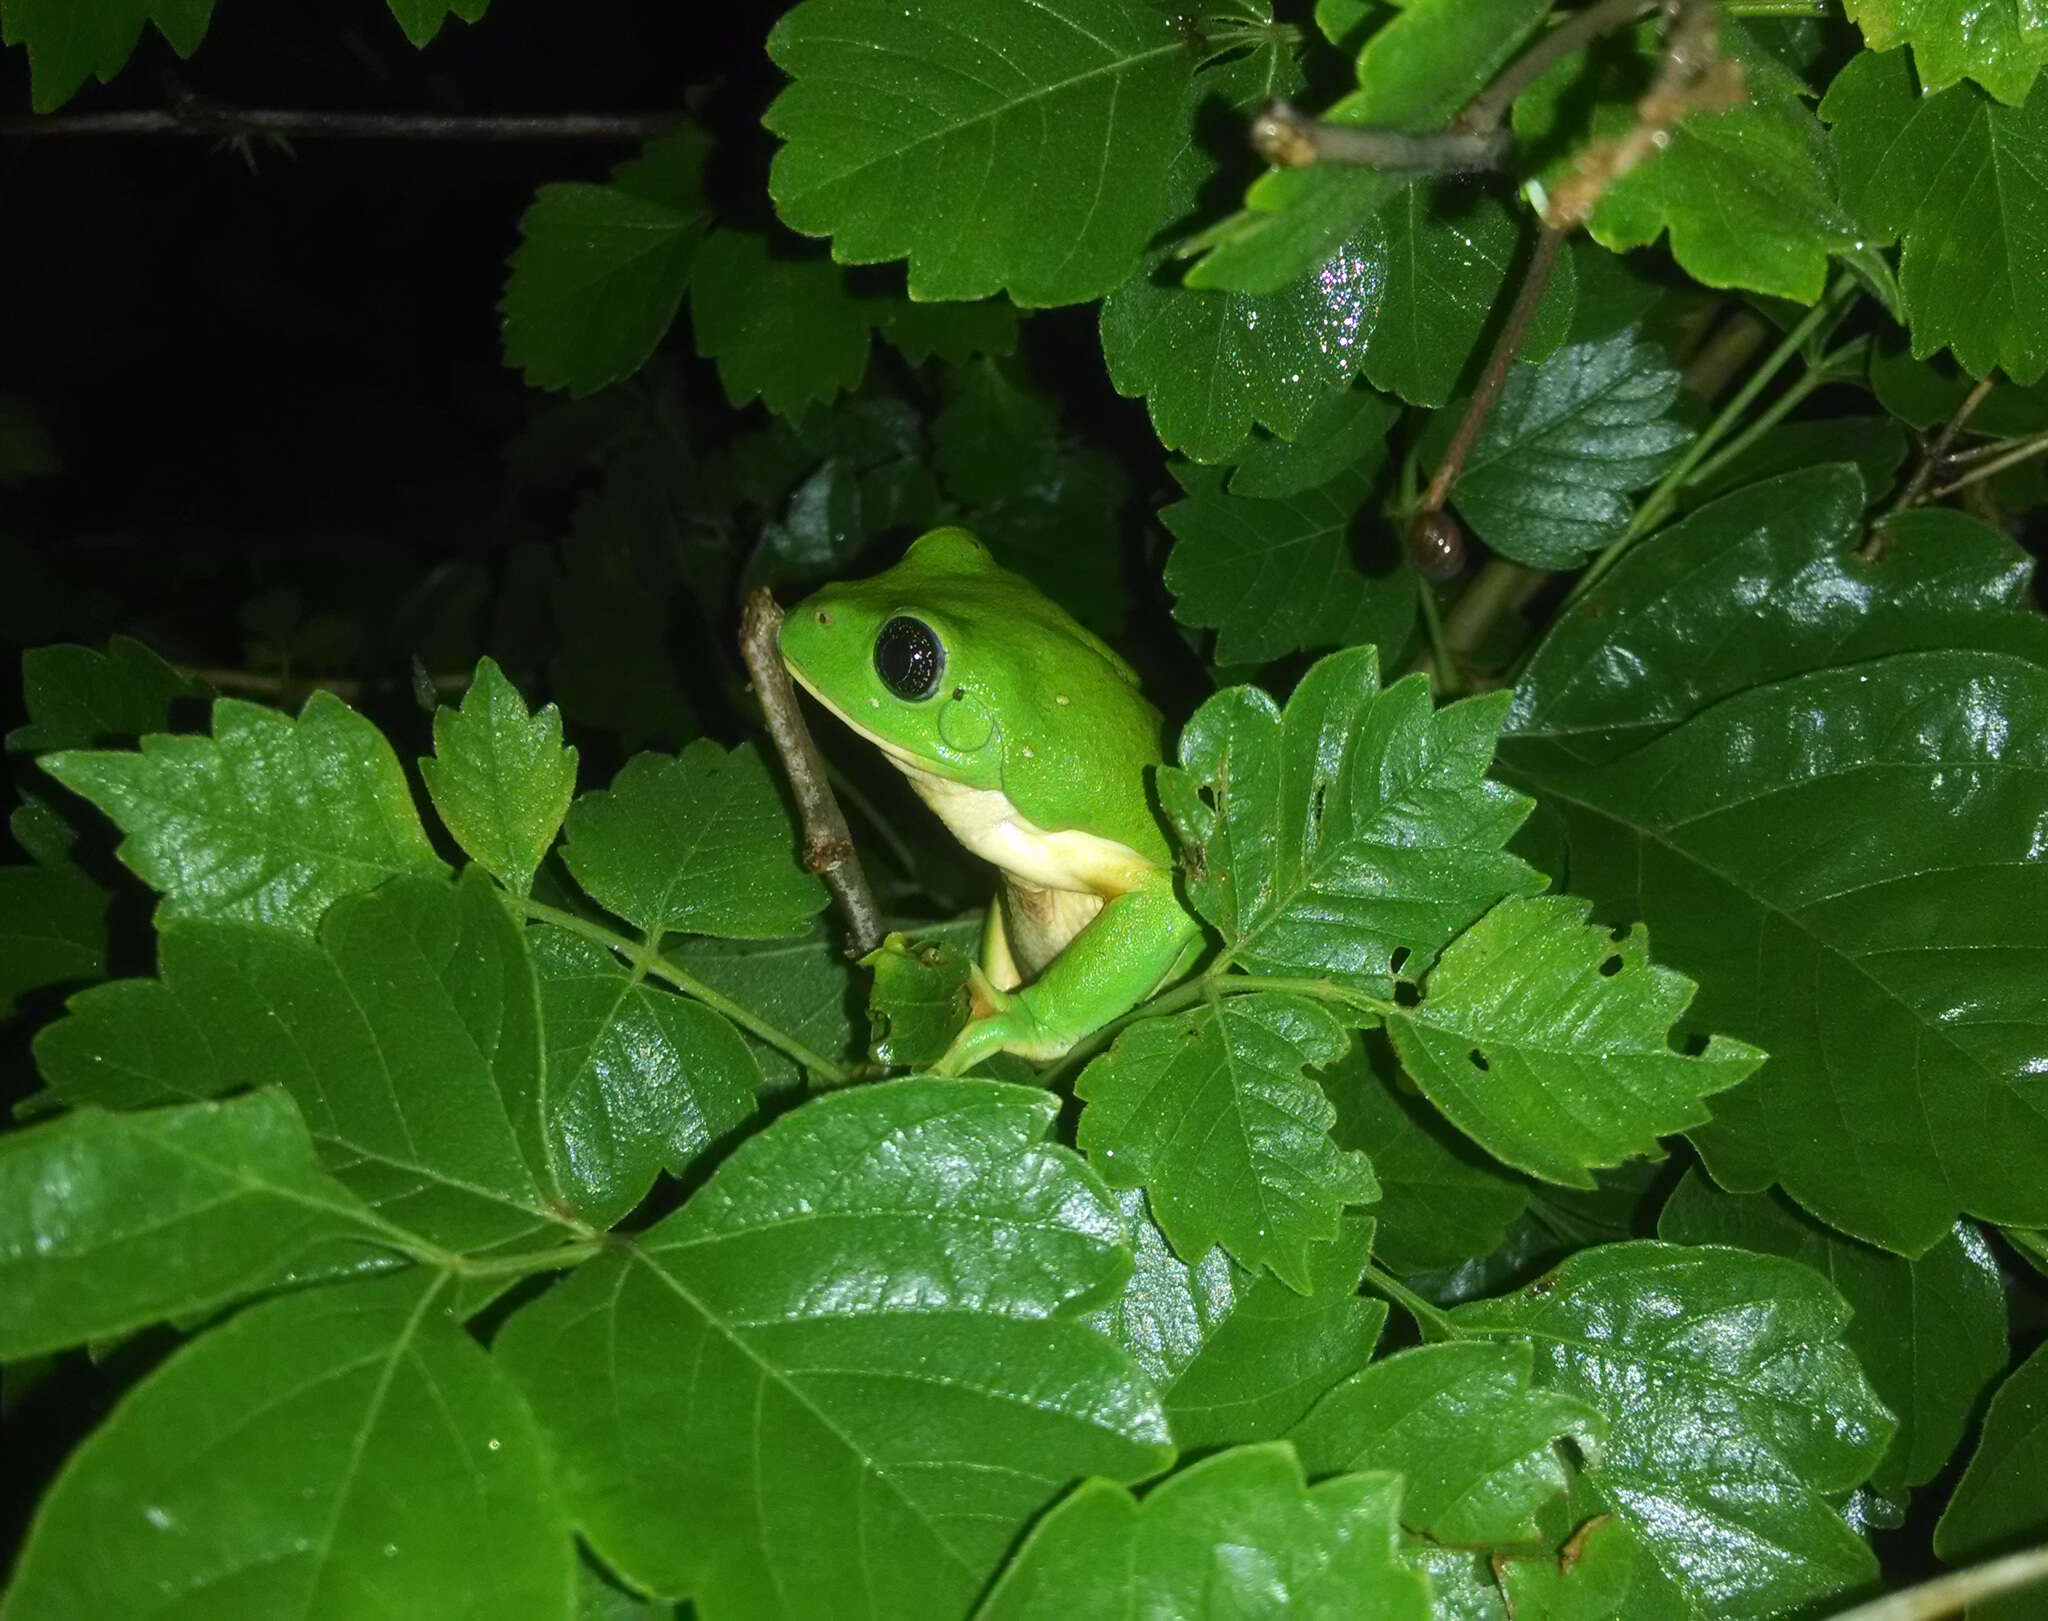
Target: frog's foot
988 1001
1012 1028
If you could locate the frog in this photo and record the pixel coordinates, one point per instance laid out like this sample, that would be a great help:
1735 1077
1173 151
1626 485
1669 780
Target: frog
1028 736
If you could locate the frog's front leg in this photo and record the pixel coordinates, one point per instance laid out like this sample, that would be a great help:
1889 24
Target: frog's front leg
1135 944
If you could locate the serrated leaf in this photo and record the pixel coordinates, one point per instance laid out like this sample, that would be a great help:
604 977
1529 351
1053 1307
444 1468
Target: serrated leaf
1461 1423
1341 431
268 821
1212 1113
1590 1580
996 430
1278 576
1239 1533
1924 393
500 777
637 1077
1938 170
1569 439
408 1034
600 271
999 145
920 1000
1735 1416
53 928
1847 862
782 329
1762 584
422 19
697 843
1351 835
1237 1355
68 40
79 699
844 1375
2002 1499
803 986
360 1453
1548 1042
111 1222
1929 1332
952 333
2001 45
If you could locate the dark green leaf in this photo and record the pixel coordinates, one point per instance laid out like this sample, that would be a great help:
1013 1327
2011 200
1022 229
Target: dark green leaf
500 777
784 330
2000 44
1735 1417
53 928
1212 1113
268 821
79 699
70 39
842 1378
920 1001
422 19
338 1452
995 431
2002 1499
1237 1534
803 986
698 843
1930 1332
1923 393
953 333
999 145
1353 836
1344 430
1874 445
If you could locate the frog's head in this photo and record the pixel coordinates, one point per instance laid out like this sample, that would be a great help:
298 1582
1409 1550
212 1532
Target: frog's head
928 658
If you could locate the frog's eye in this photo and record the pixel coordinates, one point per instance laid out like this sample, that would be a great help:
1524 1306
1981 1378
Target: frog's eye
909 658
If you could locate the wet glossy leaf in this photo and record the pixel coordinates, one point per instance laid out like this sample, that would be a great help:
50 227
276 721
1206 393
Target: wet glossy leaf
1462 1425
1763 584
1547 482
1344 430
920 1000
1735 1416
53 928
79 699
698 842
422 19
2000 44
1236 1354
638 1078
408 1035
361 1455
1934 170
111 1222
1278 576
1589 1581
500 777
843 1377
1213 1114
998 145
1929 1332
1846 862
783 329
804 986
1352 835
268 821
68 40
2002 1499
600 271
1236 1534
1548 1042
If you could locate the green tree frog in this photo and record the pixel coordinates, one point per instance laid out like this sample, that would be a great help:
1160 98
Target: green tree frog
1028 736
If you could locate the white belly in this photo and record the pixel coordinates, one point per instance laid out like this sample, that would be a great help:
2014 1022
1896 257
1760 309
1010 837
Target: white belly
1071 863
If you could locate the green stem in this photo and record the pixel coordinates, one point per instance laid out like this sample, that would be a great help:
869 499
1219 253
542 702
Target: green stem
1447 682
1434 1323
1774 8
1821 371
655 966
526 1261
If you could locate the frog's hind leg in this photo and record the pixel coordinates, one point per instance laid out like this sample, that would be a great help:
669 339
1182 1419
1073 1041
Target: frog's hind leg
998 966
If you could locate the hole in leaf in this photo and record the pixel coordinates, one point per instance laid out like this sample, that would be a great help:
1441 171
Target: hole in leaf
1618 933
1693 1045
1479 1060
1406 994
1611 967
1398 961
1315 811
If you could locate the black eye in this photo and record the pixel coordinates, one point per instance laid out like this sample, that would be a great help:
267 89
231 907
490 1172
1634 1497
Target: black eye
909 659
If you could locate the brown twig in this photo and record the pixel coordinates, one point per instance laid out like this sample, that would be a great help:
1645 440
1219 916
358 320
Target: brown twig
1489 109
194 117
828 845
1931 457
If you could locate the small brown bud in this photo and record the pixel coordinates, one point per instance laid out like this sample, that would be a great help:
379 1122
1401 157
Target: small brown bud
1436 544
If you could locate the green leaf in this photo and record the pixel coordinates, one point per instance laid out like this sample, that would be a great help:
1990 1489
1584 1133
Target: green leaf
334 1453
1874 445
1441 1200
2001 45
1353 835
803 986
1846 862
1461 1423
1923 393
995 429
637 1078
1343 430
408 1035
1546 484
952 333
1929 1332
1589 1581
1735 1416
1236 1354
600 271
1762 584
2002 1499
111 1222
1279 576
500 777
422 19
698 842
68 40
999 145
53 928
1212 1113
1548 1042
784 330
848 1371
1237 1534
920 1001
79 699
268 821
1935 170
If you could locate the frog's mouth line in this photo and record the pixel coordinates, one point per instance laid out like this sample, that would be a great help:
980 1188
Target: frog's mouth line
901 756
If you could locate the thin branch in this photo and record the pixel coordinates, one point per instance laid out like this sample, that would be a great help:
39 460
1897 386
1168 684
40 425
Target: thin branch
828 846
1950 1595
2023 450
1289 139
1923 475
194 117
1489 109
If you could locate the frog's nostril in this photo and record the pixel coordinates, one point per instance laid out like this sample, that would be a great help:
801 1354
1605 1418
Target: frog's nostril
823 617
